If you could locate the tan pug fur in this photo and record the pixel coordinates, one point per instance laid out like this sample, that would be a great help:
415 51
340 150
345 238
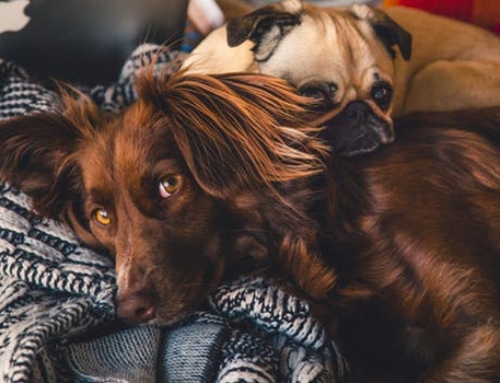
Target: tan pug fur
428 62
454 65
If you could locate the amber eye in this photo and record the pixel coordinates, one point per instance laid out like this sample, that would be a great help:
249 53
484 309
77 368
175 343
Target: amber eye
101 216
169 185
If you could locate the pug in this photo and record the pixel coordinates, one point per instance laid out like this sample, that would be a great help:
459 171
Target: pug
364 65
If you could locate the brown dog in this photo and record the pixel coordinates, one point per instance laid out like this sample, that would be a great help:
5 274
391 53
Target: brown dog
178 188
416 246
364 64
411 250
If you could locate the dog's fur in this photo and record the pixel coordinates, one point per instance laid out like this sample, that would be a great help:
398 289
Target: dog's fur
220 146
416 246
408 274
354 59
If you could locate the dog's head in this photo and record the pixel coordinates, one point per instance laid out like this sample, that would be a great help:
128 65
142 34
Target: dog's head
342 57
165 186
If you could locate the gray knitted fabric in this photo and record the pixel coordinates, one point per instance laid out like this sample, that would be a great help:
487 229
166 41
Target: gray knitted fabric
57 317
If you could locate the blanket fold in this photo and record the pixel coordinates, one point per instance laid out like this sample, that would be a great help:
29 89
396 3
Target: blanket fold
57 313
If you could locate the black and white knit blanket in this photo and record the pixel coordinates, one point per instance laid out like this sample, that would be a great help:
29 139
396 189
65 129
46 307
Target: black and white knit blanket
57 314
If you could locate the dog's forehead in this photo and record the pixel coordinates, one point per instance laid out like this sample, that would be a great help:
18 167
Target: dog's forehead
124 147
144 135
331 46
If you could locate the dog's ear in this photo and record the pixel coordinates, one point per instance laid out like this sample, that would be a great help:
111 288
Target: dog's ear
265 27
34 149
388 31
37 153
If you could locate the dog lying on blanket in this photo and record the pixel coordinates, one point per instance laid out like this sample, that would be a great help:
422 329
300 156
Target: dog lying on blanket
178 188
413 254
347 59
408 273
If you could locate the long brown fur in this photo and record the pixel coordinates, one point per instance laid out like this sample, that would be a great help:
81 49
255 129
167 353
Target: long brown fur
401 250
415 242
233 142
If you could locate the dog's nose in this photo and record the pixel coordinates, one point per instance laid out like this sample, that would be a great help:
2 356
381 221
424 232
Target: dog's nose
136 308
357 112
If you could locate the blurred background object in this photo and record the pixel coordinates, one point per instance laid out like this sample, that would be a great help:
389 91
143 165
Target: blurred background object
85 41
205 15
485 13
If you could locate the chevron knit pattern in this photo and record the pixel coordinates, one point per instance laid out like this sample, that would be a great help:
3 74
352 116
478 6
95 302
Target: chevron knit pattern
57 317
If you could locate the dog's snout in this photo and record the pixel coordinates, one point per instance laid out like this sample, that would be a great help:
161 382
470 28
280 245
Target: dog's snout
136 308
357 130
357 112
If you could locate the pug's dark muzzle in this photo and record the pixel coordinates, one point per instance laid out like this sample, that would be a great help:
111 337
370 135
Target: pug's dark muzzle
357 130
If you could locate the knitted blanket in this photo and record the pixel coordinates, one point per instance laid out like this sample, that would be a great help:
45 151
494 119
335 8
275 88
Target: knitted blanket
57 313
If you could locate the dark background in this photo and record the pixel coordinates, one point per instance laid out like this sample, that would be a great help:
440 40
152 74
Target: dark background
87 41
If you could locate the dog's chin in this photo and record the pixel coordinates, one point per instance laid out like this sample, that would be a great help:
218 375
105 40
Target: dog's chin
168 312
167 318
357 130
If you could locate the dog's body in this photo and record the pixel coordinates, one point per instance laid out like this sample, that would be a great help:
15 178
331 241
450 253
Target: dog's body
177 187
415 226
453 66
180 195
345 57
416 246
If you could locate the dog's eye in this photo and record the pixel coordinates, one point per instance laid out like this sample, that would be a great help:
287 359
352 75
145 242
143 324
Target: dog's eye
101 216
169 185
314 93
382 94
322 92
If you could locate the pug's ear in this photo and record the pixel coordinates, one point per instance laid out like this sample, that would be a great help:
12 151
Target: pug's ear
387 30
265 27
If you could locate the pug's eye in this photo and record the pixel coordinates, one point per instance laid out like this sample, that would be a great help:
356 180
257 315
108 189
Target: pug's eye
322 92
382 94
314 93
169 185
101 216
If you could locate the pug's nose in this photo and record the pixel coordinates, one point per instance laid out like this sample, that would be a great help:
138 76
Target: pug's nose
136 308
357 112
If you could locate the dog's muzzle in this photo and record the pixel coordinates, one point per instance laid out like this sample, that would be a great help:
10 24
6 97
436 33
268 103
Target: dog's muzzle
357 130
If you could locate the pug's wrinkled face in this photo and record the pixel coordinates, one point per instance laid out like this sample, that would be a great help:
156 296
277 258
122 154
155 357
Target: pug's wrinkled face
342 57
338 60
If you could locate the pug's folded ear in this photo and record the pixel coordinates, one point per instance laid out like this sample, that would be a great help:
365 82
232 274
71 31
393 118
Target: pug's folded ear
387 30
